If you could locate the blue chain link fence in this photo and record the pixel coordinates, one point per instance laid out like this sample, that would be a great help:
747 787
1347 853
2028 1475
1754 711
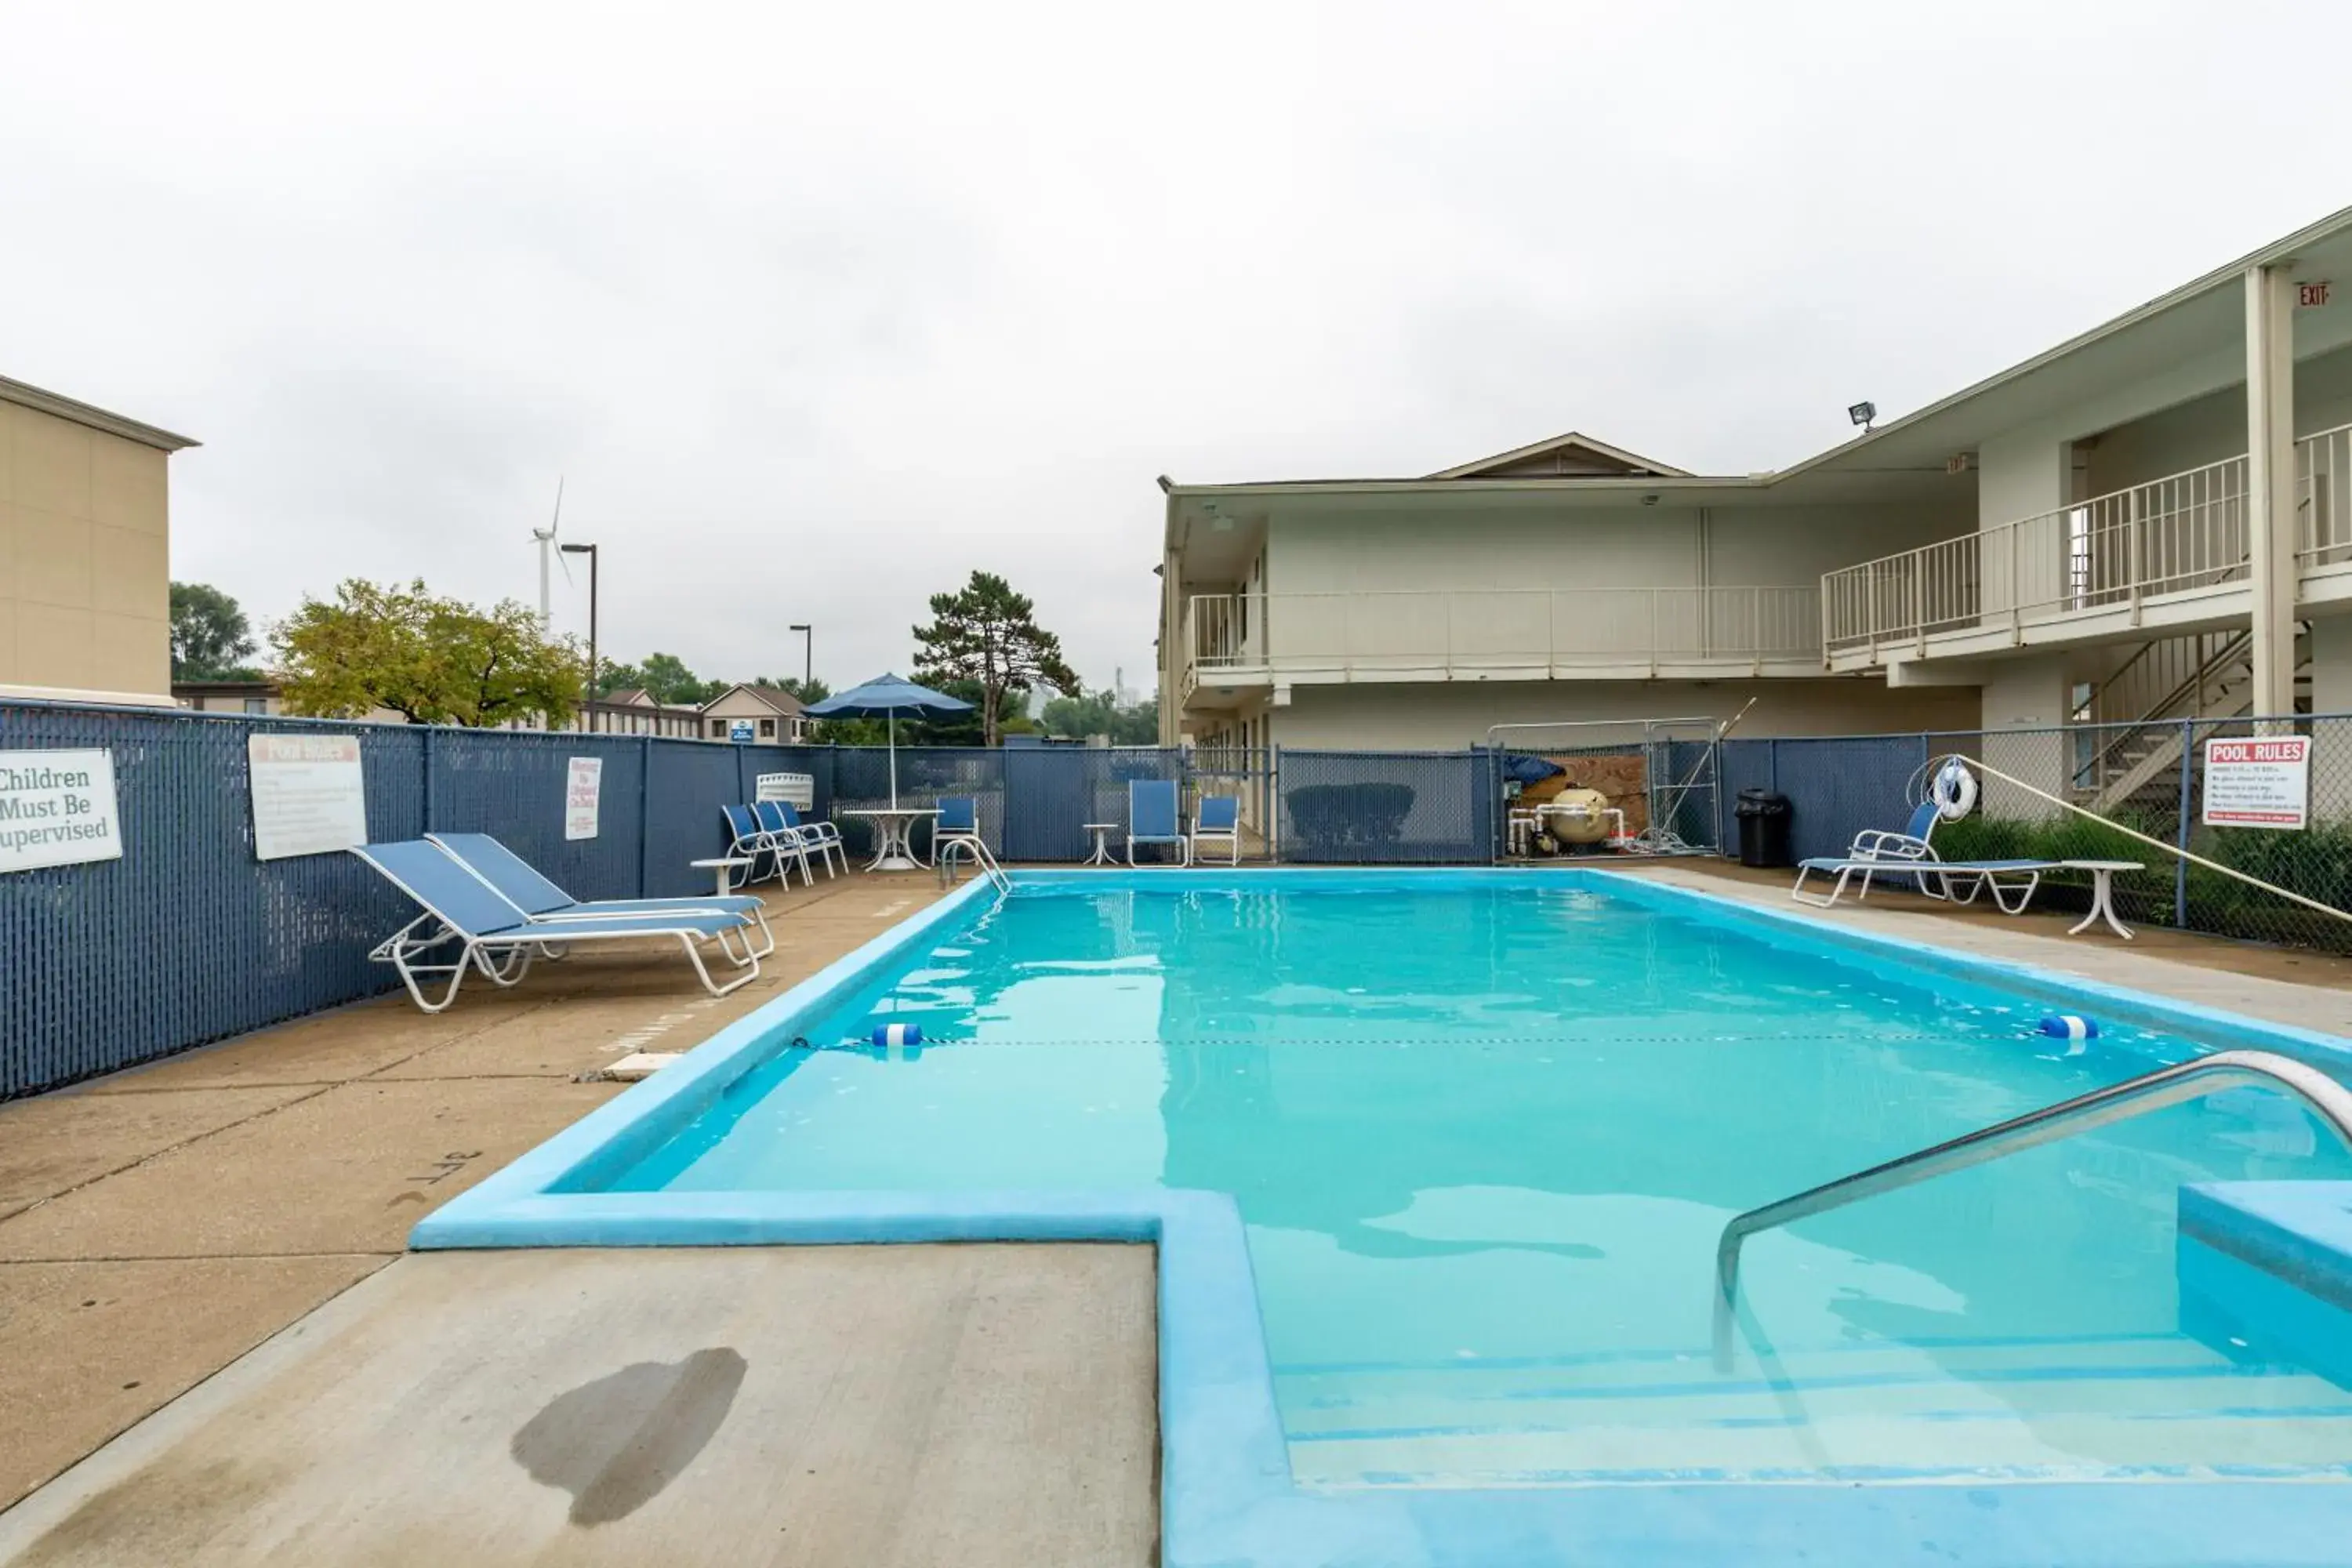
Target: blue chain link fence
187 938
2148 777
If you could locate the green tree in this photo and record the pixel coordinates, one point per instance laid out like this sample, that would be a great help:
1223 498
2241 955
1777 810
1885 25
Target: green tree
1098 713
809 691
616 678
210 636
988 635
668 681
967 729
432 661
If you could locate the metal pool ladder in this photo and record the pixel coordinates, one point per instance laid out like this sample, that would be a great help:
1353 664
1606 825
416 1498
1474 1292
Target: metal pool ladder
981 857
2117 1102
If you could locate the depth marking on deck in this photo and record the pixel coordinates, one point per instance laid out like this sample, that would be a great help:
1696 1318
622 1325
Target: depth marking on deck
637 1039
886 910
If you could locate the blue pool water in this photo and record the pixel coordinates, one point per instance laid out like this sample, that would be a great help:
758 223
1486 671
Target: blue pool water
1484 1138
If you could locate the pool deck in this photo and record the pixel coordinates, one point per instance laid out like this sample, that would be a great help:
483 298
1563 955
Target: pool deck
159 1225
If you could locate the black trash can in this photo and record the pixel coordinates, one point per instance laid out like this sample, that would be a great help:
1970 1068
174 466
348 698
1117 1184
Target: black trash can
1763 828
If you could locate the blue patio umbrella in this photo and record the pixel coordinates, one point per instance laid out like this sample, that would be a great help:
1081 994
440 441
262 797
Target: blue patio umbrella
887 696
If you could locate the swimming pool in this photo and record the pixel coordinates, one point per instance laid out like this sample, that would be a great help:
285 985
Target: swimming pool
1479 1133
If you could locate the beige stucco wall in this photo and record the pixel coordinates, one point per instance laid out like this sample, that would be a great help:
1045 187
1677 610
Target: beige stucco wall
85 565
1446 716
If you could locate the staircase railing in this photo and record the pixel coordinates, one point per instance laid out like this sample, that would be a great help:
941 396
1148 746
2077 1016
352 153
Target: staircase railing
2117 1102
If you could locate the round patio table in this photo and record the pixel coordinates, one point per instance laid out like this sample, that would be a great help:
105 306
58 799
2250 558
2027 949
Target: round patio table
1102 832
894 835
2103 894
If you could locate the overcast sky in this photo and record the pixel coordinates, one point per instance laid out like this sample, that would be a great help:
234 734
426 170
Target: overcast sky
817 308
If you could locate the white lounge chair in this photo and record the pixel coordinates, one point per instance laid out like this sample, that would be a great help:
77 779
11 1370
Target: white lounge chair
1219 821
1879 852
485 933
519 882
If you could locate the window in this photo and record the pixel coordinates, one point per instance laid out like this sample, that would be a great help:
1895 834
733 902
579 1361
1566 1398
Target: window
718 729
767 729
257 704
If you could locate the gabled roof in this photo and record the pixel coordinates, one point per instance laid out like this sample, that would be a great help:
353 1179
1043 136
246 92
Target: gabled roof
636 696
783 701
1569 456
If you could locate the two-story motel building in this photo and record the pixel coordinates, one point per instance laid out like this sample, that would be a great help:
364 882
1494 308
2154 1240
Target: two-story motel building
2150 521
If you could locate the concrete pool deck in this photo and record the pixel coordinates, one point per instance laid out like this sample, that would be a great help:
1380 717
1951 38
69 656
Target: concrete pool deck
156 1225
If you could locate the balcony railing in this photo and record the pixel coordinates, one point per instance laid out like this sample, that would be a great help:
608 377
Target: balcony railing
1528 632
2172 535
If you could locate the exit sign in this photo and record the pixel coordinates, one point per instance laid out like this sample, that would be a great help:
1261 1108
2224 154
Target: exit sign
2310 296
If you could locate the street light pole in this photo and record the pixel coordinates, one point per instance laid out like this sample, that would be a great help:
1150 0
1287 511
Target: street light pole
808 656
589 715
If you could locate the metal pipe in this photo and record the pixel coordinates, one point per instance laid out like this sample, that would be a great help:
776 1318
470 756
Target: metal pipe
2116 1102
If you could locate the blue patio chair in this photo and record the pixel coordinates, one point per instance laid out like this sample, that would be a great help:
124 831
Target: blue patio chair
1152 818
823 836
519 883
748 840
464 917
1880 852
791 838
1219 821
958 823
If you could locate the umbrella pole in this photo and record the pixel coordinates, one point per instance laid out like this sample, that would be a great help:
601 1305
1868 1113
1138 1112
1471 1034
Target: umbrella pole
894 760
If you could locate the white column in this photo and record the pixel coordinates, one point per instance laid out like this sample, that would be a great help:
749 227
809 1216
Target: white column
2025 710
2269 482
2021 473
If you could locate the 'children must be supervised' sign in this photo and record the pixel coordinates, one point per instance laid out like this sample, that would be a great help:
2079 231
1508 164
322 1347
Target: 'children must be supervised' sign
57 808
2257 783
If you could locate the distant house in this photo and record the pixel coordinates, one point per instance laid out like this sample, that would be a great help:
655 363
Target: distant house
773 715
634 712
622 713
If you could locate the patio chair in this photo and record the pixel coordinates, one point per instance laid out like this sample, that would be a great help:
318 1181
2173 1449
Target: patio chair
748 839
1219 821
1880 852
519 883
464 917
1152 818
797 839
823 836
956 827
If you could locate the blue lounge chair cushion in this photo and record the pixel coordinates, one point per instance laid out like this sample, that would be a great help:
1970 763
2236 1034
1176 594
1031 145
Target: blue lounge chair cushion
428 874
519 882
1219 814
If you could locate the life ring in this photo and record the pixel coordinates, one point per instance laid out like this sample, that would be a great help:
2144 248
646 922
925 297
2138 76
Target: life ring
1954 790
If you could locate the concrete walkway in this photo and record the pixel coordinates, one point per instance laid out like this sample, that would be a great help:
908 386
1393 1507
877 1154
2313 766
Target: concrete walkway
2285 985
990 1406
156 1225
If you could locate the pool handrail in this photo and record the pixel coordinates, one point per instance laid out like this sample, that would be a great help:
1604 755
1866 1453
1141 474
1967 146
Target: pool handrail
2115 1103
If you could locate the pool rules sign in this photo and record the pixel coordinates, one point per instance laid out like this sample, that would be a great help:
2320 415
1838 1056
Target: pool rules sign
57 808
2258 783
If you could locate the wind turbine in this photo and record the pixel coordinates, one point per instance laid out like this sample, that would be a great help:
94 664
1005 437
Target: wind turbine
547 546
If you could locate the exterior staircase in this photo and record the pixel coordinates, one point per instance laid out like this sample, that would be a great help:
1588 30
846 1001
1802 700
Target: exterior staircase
2136 749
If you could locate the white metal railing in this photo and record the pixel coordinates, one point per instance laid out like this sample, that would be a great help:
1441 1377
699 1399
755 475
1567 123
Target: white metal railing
1494 629
2324 471
2184 531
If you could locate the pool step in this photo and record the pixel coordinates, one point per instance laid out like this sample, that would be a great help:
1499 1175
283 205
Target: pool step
2065 1410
